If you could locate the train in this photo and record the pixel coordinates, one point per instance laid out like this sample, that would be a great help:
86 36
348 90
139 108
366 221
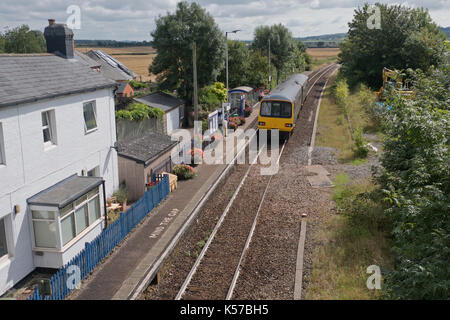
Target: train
281 108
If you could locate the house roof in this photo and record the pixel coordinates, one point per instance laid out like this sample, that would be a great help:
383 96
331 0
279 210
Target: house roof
26 78
242 89
65 191
145 148
161 100
122 87
86 60
110 67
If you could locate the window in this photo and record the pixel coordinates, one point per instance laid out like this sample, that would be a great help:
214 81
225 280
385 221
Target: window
279 109
45 230
79 215
3 243
2 149
90 116
48 129
94 172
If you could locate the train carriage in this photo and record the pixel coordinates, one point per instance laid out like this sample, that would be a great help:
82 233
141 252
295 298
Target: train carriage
281 108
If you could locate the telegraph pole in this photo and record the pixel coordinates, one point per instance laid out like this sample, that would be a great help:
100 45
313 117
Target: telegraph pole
270 75
194 58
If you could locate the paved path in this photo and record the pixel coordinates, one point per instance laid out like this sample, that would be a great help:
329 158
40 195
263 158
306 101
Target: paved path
120 273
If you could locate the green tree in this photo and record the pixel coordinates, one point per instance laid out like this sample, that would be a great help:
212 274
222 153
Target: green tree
258 72
173 39
238 64
408 38
281 46
22 40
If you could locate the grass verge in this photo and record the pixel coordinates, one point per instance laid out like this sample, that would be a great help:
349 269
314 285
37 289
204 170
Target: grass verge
351 241
358 235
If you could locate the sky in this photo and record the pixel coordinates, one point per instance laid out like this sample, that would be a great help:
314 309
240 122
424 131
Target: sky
135 19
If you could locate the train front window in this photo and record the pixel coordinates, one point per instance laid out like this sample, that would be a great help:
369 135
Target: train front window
280 109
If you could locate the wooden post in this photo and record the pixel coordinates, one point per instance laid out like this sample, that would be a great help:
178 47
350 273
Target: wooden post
194 58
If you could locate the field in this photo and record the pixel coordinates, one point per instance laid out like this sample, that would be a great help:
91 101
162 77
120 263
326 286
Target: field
136 58
321 56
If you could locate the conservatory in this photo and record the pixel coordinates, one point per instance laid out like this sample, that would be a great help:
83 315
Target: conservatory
64 217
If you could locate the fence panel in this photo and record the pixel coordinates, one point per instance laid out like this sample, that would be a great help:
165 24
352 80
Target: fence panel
96 250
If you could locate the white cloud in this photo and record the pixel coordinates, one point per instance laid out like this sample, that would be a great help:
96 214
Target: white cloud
135 19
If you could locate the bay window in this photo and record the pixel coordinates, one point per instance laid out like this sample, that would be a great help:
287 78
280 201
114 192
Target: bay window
65 211
45 230
79 215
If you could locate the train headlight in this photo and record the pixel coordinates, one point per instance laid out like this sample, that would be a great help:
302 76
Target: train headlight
261 123
288 125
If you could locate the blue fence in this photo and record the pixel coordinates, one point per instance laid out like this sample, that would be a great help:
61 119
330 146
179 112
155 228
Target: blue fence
62 282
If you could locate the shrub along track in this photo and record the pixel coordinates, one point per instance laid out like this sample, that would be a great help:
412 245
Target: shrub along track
214 275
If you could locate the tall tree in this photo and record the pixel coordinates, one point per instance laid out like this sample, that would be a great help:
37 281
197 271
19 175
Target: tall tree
173 40
258 72
238 64
281 45
408 38
22 40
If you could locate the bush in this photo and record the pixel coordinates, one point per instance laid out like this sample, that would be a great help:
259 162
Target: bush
137 85
121 194
361 147
138 112
341 93
183 171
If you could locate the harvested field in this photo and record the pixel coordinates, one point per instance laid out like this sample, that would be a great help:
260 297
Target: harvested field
137 59
322 53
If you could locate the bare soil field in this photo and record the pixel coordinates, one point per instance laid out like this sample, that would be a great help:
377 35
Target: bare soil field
137 59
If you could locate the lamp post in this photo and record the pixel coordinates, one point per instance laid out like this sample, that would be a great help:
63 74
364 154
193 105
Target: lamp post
226 46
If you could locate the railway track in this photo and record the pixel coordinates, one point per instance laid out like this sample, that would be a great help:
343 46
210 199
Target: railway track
216 271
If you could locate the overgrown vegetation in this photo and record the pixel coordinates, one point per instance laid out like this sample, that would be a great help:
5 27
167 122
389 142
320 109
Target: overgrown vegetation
139 111
352 240
415 180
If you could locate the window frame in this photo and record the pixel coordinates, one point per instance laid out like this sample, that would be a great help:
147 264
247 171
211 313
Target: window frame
49 116
54 220
94 111
75 207
5 239
271 110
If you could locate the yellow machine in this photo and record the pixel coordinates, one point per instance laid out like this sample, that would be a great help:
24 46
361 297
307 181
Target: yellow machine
392 81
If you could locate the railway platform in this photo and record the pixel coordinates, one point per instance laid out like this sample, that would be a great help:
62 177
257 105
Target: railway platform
126 268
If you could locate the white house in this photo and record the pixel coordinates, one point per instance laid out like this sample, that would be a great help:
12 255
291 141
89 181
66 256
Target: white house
57 156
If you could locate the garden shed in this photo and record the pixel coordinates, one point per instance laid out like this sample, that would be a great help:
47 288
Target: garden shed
141 157
173 109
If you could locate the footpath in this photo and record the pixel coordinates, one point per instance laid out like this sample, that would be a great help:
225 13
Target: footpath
133 263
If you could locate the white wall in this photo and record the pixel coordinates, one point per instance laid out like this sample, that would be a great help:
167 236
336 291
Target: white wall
173 120
31 168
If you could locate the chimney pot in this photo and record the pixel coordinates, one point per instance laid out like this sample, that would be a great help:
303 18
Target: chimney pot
51 22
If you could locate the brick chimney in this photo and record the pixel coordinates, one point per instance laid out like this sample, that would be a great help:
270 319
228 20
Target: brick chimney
59 39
